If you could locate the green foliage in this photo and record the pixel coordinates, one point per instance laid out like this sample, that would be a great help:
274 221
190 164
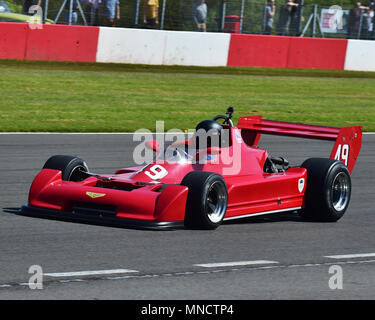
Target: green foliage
15 5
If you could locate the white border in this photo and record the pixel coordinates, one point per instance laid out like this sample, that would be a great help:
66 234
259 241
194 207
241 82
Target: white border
261 213
351 256
233 263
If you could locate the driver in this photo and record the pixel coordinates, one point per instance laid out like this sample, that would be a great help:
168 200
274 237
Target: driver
208 133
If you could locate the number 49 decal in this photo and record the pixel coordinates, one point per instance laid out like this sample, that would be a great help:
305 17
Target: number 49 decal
342 153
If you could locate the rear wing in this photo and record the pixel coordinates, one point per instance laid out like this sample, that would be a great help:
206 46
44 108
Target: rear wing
348 140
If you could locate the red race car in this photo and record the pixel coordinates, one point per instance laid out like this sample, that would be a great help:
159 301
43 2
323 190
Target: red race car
199 184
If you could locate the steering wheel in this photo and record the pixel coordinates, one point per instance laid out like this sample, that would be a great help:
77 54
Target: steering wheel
226 119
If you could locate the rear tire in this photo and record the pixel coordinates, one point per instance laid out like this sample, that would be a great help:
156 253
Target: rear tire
328 189
207 199
72 168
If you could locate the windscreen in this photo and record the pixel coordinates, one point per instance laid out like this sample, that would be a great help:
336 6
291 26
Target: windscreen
176 154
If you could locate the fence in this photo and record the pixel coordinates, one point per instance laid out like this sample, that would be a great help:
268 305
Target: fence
235 16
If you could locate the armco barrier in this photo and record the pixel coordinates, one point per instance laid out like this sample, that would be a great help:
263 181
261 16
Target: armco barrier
94 44
13 38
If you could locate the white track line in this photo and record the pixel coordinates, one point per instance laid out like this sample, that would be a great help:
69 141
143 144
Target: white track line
234 263
257 268
351 256
88 273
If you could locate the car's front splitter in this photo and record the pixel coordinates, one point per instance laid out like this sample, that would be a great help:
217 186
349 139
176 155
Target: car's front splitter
27 210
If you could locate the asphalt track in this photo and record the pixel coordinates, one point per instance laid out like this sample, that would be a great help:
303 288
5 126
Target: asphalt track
166 261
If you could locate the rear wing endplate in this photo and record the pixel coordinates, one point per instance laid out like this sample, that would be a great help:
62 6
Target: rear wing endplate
348 140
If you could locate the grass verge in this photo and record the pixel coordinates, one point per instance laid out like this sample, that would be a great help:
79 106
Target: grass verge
90 97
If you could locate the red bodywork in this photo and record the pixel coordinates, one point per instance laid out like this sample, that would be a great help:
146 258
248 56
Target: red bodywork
251 191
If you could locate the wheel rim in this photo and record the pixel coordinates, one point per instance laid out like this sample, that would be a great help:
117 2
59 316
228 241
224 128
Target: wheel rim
216 202
340 191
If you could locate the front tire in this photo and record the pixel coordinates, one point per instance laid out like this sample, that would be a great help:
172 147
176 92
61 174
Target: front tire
328 189
207 199
72 168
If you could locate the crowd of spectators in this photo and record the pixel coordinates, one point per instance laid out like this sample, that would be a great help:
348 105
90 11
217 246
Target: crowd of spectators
110 12
279 19
360 22
289 18
107 12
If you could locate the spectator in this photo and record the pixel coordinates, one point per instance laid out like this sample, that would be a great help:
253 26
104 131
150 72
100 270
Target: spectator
200 15
91 9
371 20
354 20
364 25
27 4
74 13
268 14
285 16
367 22
111 12
151 13
295 19
87 9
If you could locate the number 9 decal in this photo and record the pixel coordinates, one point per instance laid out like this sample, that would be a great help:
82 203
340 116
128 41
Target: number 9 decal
343 154
156 172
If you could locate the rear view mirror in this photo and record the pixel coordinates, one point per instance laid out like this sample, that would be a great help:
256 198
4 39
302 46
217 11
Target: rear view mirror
153 145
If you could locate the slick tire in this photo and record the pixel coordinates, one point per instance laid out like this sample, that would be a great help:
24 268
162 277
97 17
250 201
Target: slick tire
207 200
72 168
328 189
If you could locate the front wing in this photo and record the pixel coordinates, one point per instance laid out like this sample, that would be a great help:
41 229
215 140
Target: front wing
30 211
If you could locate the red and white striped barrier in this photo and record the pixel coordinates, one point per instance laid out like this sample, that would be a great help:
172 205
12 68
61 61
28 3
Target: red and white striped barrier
162 47
137 46
360 55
